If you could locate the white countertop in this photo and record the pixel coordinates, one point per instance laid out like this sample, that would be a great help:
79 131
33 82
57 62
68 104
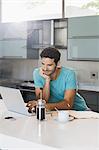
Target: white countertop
89 86
78 134
9 142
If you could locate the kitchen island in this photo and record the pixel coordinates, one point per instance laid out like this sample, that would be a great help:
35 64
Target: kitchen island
77 134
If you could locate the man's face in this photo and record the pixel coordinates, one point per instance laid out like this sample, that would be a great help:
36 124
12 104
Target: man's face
48 66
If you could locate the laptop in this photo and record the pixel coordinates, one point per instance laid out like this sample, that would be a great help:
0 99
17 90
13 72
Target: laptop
14 100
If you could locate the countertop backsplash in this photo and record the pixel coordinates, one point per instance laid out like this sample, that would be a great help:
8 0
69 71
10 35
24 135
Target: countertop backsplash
17 69
84 76
20 70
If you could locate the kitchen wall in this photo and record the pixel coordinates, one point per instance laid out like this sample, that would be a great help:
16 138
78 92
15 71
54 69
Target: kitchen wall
83 69
17 69
22 69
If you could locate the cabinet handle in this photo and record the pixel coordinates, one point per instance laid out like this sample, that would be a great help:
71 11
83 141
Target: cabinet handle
85 37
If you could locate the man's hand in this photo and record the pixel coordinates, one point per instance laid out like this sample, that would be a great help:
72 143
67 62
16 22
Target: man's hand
32 106
44 75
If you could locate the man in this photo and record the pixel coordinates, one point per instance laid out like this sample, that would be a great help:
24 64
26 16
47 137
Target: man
58 83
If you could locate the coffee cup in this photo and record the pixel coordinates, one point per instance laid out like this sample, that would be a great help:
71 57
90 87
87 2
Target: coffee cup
63 116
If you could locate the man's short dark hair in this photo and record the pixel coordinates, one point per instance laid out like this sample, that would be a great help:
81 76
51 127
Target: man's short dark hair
52 53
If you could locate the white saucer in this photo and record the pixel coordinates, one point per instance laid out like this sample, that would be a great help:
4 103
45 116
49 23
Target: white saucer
70 119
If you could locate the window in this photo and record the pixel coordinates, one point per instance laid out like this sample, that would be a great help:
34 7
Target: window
74 8
22 10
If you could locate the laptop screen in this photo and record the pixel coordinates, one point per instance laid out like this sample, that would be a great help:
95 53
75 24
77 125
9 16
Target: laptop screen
13 100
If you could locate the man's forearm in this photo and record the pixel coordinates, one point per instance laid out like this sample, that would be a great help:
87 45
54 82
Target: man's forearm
46 90
60 105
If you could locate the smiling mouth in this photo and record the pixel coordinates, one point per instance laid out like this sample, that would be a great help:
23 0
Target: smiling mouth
47 72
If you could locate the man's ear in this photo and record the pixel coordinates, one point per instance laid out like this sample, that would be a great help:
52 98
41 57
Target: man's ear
58 64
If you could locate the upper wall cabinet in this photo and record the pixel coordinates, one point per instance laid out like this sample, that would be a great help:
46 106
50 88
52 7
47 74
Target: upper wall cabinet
24 40
83 26
13 40
13 49
13 30
38 34
60 33
83 49
83 38
46 33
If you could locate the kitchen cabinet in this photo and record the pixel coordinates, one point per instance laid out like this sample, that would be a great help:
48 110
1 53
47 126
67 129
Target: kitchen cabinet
60 33
38 34
13 49
44 33
91 98
13 40
83 49
38 37
13 30
26 39
83 26
83 38
34 34
47 33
